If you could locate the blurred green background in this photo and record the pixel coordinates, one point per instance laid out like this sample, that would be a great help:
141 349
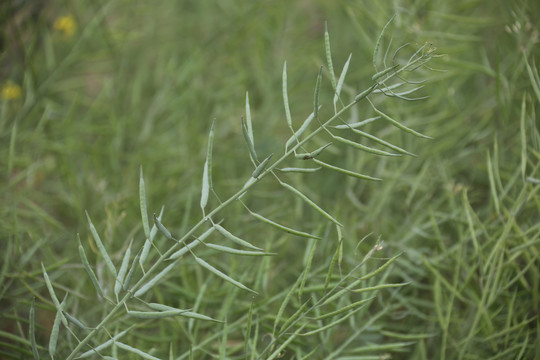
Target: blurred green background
92 90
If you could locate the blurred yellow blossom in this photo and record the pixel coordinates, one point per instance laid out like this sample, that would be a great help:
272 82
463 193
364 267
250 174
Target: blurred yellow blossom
66 25
10 91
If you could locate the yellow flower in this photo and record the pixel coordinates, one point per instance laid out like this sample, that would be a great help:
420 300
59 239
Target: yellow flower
10 91
66 25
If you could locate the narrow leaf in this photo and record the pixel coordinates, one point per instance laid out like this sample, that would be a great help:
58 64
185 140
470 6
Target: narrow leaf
310 203
222 275
101 248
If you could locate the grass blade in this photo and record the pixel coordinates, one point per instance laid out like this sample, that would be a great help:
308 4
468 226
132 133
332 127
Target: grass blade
88 268
379 287
310 202
101 248
284 304
222 275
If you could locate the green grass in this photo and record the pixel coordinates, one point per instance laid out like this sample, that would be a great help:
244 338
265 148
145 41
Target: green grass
139 85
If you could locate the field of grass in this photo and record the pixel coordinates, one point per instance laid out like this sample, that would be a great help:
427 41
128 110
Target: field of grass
439 260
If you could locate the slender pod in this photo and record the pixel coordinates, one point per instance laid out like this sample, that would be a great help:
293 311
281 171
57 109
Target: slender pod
54 299
119 283
249 142
155 280
282 227
32 329
316 94
142 204
162 228
346 172
223 275
398 124
299 170
88 268
340 82
329 56
101 248
310 202
234 238
261 167
286 97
